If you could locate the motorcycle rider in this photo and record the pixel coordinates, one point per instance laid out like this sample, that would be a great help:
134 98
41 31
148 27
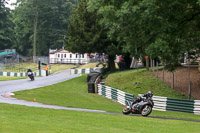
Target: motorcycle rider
139 99
29 70
30 74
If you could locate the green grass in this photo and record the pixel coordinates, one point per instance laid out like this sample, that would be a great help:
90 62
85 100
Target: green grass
22 119
59 67
93 65
89 65
3 78
73 93
22 67
139 82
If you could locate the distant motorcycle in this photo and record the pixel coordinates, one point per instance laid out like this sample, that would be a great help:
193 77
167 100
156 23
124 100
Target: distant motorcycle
144 107
31 75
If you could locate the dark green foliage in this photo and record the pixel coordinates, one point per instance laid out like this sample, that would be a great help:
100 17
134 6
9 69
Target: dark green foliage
53 19
165 29
6 27
86 35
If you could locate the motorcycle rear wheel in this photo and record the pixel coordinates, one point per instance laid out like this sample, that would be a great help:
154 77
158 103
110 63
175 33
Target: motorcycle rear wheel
146 110
126 110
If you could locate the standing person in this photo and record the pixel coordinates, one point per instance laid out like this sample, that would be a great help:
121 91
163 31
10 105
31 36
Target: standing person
47 70
119 62
97 56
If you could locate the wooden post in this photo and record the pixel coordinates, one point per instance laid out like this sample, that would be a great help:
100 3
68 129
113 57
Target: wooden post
173 80
163 74
157 68
189 83
153 64
147 63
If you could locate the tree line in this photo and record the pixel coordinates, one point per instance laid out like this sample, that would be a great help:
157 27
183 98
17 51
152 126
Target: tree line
34 25
160 29
133 28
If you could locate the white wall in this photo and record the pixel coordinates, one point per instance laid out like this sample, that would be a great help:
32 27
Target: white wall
67 57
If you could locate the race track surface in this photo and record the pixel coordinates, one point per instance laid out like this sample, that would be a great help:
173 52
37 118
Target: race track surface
7 87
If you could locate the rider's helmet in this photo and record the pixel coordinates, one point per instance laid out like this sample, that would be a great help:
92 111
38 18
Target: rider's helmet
150 93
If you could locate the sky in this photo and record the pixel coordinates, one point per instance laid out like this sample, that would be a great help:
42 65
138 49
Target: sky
9 2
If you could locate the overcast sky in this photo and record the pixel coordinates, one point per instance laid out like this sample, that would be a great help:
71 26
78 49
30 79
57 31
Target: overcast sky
10 1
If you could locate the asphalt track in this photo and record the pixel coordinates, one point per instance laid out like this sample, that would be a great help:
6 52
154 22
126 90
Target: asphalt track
8 87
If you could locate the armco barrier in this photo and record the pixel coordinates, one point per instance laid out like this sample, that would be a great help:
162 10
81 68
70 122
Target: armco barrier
197 107
114 94
24 74
160 103
82 71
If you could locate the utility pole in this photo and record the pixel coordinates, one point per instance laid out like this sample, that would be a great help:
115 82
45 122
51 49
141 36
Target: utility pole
35 30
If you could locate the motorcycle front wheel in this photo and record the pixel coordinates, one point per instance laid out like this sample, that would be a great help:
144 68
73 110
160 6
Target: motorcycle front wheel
146 110
126 110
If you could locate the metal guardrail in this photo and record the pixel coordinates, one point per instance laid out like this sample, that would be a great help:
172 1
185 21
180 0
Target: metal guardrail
114 94
83 71
24 74
160 103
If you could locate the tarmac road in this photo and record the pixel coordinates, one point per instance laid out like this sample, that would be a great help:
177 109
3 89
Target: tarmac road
7 87
25 84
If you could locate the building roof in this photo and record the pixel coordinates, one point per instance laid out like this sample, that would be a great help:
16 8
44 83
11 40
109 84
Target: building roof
53 51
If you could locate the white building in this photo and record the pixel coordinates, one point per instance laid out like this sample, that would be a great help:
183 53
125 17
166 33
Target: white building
65 57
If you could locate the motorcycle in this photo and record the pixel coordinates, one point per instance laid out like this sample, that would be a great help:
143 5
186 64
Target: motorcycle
31 75
144 107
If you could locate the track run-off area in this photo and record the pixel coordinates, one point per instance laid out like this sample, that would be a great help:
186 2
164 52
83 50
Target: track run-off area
7 88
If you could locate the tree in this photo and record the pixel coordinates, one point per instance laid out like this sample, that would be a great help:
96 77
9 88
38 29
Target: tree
50 19
158 28
86 35
6 27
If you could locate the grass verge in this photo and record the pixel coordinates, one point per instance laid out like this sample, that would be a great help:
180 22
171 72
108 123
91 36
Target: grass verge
73 93
22 67
59 67
22 119
139 82
4 78
94 65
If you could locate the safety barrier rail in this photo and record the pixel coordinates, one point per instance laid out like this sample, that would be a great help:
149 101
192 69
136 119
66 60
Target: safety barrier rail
82 71
114 94
160 103
24 74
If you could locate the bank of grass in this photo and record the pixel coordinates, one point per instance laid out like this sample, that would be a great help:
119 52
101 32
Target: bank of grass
22 67
141 81
4 78
59 67
22 119
93 65
89 65
73 93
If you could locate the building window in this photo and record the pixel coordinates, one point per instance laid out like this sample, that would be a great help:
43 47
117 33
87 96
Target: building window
76 55
82 55
70 55
65 55
58 55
